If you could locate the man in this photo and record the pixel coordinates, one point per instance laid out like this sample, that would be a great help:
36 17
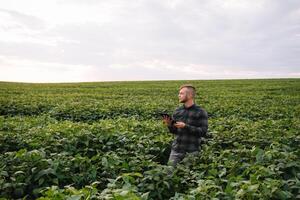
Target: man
191 124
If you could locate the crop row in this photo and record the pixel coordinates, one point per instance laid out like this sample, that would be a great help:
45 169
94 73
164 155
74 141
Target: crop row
47 152
89 110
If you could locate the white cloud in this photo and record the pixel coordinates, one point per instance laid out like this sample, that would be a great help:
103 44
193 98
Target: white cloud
193 71
27 71
57 12
16 27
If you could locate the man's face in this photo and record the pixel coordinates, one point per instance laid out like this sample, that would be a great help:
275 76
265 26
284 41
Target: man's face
183 95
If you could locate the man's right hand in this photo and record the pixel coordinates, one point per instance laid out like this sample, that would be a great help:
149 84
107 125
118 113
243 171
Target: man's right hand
167 120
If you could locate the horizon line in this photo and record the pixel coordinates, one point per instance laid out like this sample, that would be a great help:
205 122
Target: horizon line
151 80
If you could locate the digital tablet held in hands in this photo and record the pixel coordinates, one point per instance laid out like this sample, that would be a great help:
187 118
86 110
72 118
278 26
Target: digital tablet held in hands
167 115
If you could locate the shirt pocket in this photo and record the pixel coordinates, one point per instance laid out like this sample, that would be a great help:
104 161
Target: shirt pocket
194 118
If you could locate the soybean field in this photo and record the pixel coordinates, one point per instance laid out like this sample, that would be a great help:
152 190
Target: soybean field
106 140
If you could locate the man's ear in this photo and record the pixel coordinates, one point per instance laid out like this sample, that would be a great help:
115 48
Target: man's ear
189 94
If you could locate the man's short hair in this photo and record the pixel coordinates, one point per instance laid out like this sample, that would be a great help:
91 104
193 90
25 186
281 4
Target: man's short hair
190 87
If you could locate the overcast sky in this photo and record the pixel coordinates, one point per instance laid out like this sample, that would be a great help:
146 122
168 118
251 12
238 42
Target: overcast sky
104 40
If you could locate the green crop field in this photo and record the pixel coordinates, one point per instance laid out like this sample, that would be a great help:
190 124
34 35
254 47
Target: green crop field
106 141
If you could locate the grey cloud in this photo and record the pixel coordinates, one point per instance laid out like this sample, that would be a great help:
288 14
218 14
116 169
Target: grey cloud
29 21
262 37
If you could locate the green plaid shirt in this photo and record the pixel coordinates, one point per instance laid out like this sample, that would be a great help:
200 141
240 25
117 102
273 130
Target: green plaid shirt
188 139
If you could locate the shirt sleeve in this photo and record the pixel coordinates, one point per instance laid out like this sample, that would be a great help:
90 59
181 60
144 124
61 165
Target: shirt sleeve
172 128
201 129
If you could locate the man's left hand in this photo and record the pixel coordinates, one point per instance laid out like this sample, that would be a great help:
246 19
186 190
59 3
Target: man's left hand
179 124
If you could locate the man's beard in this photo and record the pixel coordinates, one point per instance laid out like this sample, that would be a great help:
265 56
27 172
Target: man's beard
183 100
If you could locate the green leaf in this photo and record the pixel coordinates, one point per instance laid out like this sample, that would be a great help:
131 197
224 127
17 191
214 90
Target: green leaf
74 197
145 196
44 172
41 181
19 172
4 173
283 194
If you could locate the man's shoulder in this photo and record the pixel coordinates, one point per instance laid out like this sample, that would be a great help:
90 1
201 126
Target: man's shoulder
179 108
196 108
199 109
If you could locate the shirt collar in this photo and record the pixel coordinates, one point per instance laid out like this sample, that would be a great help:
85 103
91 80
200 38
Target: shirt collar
187 108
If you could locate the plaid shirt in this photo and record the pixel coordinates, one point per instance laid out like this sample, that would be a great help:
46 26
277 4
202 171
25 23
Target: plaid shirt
188 139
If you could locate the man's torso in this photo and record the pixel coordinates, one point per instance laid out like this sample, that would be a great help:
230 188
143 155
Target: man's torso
186 141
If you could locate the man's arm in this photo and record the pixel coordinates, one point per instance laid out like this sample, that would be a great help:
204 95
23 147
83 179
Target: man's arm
168 121
172 129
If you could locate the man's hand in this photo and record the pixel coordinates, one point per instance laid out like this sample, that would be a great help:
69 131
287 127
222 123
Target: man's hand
179 124
167 120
